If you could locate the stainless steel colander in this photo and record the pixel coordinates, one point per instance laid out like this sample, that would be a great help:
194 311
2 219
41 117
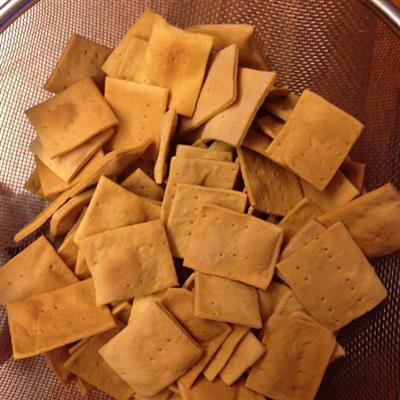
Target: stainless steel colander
339 48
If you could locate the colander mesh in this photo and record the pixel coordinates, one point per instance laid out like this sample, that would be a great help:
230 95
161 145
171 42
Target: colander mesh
338 48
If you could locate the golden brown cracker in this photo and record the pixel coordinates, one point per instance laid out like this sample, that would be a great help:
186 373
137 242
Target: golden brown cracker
141 184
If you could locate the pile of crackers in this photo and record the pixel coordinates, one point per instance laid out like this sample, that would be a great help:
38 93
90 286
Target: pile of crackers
208 233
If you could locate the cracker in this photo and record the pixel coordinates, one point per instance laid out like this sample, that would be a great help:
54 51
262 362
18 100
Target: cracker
308 232
199 143
301 213
218 91
354 172
81 58
36 269
139 109
81 268
231 124
225 351
246 394
256 141
142 29
142 185
142 255
68 165
270 298
208 173
339 191
186 151
144 354
245 355
269 125
87 363
295 371
112 207
55 359
177 60
205 389
142 304
332 278
221 146
315 140
83 387
167 131
132 60
33 184
373 221
209 334
221 299
164 395
281 107
49 320
71 118
187 202
66 216
122 311
222 248
271 188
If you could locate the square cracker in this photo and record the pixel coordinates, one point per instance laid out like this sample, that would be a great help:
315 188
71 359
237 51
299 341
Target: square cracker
315 140
245 355
139 109
186 151
223 354
270 125
209 334
332 278
218 91
130 261
145 353
204 389
87 363
112 207
301 213
256 141
36 269
68 165
141 184
71 118
167 131
281 107
221 299
233 245
231 125
295 371
187 202
208 173
49 320
177 60
373 220
81 58
339 191
271 188
354 172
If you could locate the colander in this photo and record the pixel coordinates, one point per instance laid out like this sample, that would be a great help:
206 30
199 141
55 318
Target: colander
339 48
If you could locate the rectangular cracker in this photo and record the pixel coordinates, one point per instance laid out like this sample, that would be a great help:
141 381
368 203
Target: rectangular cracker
354 172
81 58
68 165
339 191
167 131
256 141
222 299
218 91
141 184
87 363
271 188
332 278
142 255
270 125
71 118
295 371
49 320
139 109
245 355
36 269
186 151
302 212
140 362
223 248
177 60
204 389
208 173
112 207
315 140
187 202
231 124
373 220
281 107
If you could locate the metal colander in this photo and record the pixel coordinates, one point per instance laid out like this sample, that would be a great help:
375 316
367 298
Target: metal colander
338 48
